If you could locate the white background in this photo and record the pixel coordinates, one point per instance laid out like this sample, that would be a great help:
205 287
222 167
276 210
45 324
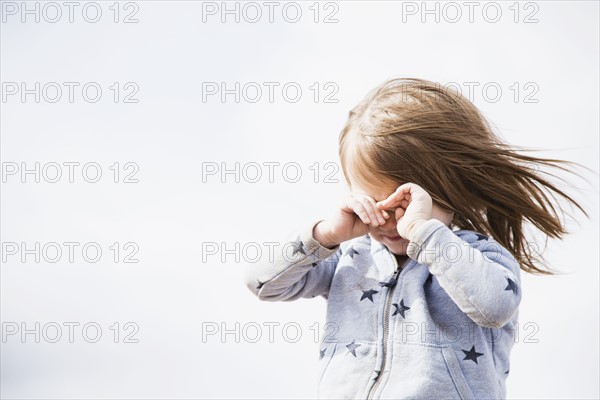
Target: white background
171 294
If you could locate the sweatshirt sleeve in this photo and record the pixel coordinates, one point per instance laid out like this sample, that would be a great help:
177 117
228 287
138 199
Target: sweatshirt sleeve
481 276
300 268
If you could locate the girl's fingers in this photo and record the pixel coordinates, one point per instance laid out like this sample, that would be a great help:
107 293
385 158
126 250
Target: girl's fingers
370 211
399 213
374 212
392 199
367 209
359 210
401 197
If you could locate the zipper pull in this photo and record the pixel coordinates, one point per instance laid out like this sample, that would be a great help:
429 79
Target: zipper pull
392 282
394 279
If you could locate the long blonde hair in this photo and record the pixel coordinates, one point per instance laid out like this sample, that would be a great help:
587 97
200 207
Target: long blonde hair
414 130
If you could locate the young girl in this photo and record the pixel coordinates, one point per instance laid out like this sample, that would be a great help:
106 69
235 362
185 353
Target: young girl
421 264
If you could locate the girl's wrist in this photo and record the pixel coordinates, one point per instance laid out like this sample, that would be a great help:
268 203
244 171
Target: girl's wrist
413 227
322 234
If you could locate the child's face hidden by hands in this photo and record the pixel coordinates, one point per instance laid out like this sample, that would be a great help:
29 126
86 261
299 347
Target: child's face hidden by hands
388 232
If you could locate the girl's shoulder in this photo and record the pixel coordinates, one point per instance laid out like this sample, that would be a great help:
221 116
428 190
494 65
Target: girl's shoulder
486 244
472 236
479 240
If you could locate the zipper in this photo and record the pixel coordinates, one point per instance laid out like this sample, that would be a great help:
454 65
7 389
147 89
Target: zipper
386 318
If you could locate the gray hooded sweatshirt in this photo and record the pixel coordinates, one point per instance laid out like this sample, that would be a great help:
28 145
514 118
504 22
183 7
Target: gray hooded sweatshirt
437 326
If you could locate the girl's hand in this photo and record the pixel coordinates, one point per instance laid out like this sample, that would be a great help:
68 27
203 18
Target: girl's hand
351 219
414 206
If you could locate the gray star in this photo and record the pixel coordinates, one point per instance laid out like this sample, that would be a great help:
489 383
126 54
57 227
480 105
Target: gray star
511 285
322 353
472 355
298 247
368 294
352 348
400 308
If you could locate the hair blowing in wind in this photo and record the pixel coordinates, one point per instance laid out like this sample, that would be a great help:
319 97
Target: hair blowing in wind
413 130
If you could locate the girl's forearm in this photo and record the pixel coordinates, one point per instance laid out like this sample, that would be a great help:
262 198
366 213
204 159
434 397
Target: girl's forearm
322 234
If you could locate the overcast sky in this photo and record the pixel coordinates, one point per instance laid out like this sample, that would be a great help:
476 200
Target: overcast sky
151 148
